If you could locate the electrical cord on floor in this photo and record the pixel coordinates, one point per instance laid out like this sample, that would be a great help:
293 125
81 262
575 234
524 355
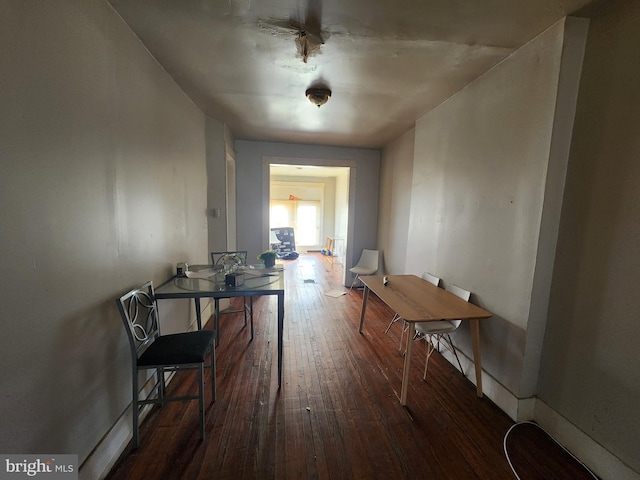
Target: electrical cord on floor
506 453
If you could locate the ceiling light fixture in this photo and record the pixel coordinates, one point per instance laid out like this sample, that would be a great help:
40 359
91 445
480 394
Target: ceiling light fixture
318 95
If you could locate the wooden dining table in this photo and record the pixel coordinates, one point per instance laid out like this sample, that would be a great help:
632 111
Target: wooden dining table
417 300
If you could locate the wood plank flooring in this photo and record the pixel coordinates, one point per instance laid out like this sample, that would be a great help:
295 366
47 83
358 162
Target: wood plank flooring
337 415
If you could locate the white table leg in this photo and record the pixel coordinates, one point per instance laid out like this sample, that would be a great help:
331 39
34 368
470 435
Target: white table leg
365 296
477 358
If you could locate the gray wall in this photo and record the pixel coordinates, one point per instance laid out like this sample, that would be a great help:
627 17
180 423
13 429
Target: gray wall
103 186
590 362
252 174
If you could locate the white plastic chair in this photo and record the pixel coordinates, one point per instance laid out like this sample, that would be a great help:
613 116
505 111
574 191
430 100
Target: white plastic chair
367 265
405 326
434 332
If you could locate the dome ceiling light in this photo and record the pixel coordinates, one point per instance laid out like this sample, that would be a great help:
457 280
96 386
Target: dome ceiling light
318 95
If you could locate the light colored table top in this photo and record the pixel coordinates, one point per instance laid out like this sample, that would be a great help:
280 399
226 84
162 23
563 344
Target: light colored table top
417 300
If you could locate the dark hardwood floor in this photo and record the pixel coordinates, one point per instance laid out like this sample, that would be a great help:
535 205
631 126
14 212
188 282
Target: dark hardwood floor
337 414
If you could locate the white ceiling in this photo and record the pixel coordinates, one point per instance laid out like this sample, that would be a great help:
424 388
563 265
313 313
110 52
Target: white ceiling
387 62
308 171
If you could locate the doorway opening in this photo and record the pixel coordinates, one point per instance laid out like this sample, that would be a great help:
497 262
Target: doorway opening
313 201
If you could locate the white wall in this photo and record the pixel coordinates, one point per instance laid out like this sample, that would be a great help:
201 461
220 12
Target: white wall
103 186
216 185
342 209
479 177
396 171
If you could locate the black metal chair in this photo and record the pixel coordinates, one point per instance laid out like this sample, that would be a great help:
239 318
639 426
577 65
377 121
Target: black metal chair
163 353
229 261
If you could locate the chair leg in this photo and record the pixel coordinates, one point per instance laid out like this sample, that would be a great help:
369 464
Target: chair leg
355 279
213 371
395 318
162 387
430 350
201 398
134 408
405 328
453 349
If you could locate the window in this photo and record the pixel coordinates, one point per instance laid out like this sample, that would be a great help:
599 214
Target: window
303 215
280 215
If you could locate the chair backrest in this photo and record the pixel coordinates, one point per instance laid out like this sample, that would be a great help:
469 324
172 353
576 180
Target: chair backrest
139 314
458 292
369 259
238 257
431 278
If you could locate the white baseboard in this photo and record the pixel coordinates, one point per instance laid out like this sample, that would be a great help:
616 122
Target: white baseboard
105 455
602 462
518 409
